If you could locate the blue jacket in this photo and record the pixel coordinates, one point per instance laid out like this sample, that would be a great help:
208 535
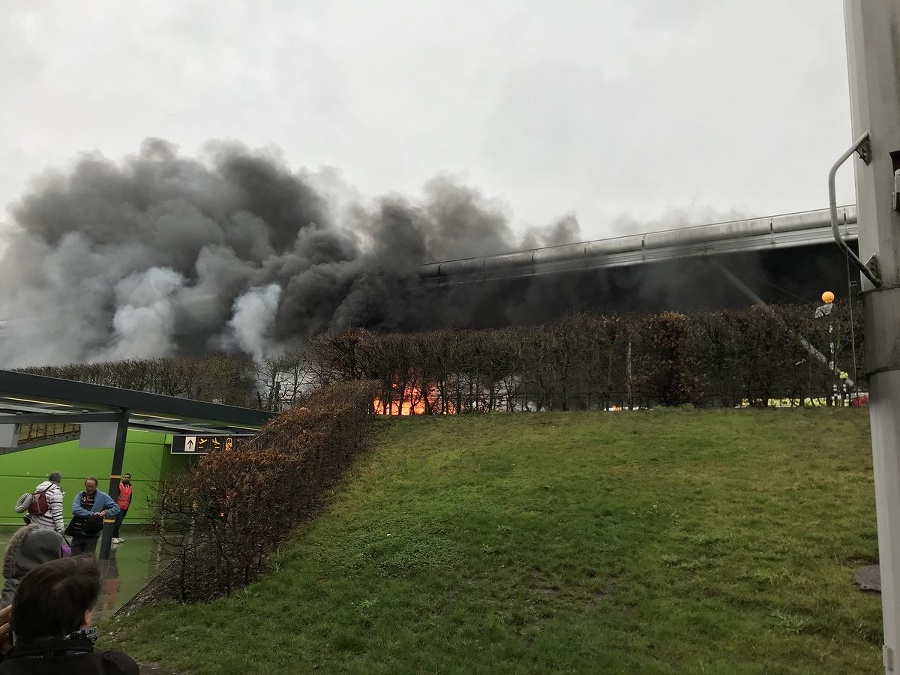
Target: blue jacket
102 502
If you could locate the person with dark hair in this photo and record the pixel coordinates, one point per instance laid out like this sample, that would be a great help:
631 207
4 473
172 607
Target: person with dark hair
89 508
51 623
53 517
29 547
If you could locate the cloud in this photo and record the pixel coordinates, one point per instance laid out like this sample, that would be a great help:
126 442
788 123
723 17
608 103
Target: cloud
596 109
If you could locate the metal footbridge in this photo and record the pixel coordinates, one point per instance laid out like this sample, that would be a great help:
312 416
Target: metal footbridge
807 228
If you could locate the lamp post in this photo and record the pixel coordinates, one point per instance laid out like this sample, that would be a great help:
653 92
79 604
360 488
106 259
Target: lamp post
822 311
853 290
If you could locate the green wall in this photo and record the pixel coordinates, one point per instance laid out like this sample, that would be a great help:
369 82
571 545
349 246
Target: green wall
147 459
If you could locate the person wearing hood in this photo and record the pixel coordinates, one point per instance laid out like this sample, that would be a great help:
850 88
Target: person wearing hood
53 518
30 546
51 624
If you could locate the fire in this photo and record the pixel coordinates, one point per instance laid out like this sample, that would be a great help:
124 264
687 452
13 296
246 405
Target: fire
413 400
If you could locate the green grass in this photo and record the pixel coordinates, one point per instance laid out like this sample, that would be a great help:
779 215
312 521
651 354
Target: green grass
653 542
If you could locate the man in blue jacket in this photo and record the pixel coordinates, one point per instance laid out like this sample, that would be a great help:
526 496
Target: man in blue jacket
89 509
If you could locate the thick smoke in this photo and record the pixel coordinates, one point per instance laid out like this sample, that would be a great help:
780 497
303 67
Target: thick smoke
233 251
162 254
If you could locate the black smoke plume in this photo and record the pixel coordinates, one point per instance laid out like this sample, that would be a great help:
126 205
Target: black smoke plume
162 254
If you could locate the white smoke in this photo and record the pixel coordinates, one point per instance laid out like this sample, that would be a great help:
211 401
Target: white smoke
254 317
144 321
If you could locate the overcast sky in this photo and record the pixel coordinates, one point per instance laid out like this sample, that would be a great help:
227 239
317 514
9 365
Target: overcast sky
625 113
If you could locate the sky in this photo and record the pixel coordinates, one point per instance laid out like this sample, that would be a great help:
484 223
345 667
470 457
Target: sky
629 115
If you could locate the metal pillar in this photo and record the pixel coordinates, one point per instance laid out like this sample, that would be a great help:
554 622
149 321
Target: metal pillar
873 53
114 475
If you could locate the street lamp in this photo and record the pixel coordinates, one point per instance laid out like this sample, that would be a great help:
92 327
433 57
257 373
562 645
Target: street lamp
825 310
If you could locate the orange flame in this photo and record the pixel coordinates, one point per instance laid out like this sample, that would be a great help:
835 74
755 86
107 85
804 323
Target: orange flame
412 400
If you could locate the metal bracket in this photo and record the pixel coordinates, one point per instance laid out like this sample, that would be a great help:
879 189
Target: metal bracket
864 148
896 203
872 266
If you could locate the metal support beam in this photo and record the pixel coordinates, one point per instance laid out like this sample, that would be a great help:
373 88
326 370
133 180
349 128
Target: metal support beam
59 418
40 388
114 475
873 51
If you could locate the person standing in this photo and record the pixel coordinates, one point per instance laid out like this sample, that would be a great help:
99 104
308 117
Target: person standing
53 517
123 501
89 508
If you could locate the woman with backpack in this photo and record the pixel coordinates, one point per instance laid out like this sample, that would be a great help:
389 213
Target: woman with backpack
46 506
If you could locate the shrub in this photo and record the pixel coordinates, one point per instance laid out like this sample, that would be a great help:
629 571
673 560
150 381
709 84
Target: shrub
220 521
667 367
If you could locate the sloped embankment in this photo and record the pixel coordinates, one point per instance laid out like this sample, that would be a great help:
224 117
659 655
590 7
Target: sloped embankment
657 541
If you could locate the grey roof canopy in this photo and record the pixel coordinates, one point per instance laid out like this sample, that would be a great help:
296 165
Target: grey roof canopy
35 399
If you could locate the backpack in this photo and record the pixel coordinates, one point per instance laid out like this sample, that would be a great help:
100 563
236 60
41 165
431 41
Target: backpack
38 505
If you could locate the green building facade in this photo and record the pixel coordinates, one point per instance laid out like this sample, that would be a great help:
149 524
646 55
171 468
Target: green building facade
147 458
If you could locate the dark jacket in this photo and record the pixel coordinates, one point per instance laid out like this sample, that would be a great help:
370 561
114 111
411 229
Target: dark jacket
65 657
85 524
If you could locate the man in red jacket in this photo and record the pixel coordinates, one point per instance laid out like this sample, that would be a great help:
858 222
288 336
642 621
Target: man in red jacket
123 501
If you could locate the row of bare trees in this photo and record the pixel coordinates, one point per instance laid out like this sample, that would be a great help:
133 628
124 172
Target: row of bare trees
228 379
585 361
725 358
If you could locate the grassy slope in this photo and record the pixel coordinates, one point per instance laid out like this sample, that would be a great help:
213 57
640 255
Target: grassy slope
663 541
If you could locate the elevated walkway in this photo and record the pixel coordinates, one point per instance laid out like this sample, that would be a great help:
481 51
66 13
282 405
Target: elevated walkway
809 228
